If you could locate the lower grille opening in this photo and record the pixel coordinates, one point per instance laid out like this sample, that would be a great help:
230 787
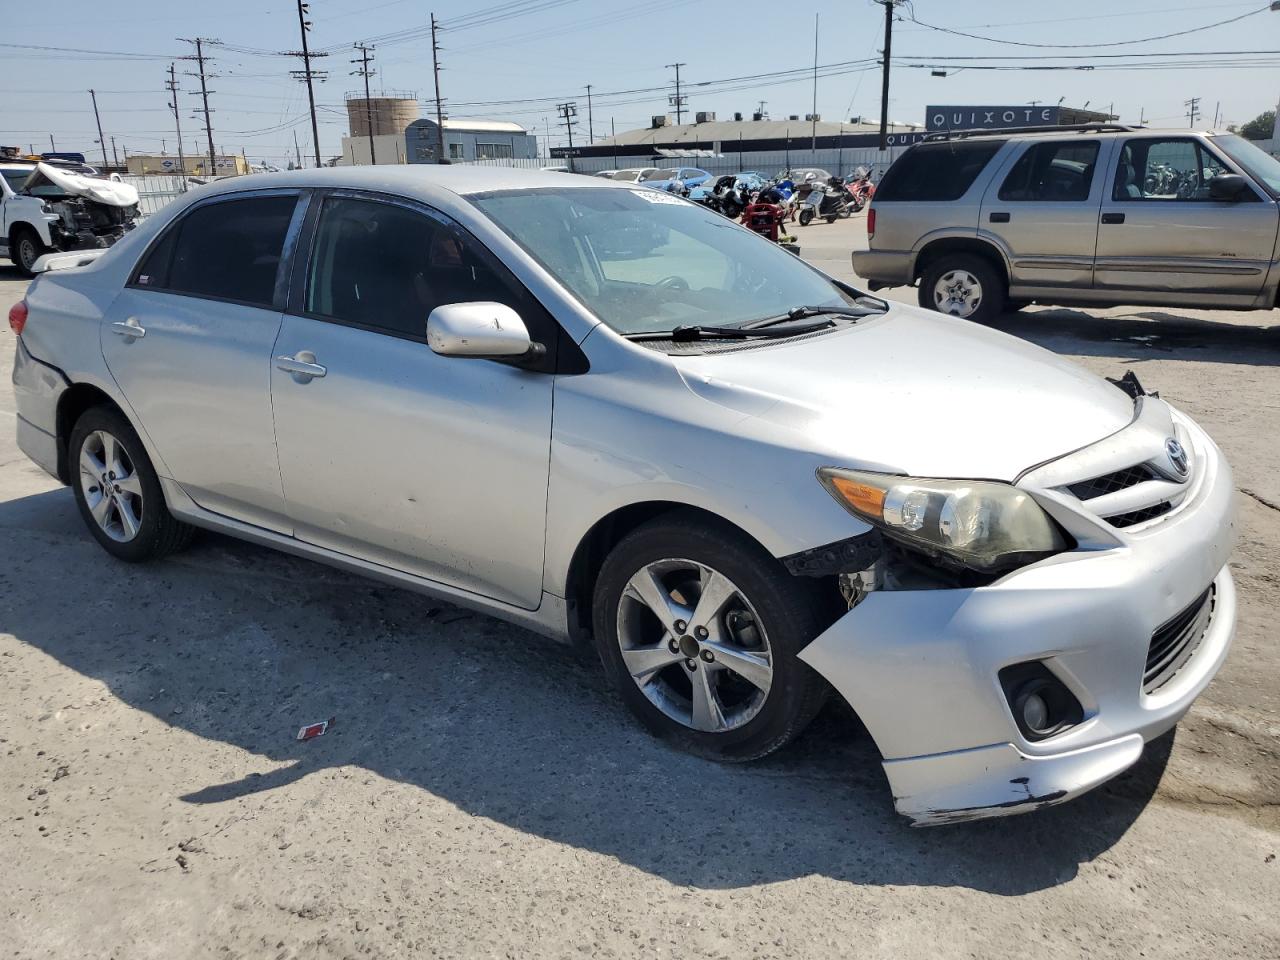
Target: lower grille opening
1139 516
1174 643
1111 482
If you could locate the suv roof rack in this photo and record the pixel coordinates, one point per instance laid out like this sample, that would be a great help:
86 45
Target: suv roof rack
1062 128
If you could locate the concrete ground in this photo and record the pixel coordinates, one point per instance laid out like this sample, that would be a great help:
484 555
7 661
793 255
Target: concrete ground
481 793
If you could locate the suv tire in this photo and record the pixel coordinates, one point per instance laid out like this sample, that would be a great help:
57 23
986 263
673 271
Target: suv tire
765 617
963 285
25 249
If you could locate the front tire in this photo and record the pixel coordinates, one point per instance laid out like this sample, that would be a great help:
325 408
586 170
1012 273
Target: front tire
118 491
27 249
963 285
699 629
806 216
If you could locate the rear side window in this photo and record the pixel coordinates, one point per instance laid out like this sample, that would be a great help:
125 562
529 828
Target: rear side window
936 171
1052 172
229 250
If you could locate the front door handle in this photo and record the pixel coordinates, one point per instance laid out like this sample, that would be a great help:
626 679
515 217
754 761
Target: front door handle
1113 218
303 367
130 328
999 217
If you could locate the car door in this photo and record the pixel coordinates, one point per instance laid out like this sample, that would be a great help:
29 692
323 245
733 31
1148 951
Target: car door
1159 231
1044 213
189 339
389 452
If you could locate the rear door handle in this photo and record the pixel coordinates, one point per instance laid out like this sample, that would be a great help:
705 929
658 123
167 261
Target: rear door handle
999 217
1113 218
303 367
130 328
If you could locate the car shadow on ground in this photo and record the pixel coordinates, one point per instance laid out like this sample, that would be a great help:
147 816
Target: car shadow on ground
1144 333
242 645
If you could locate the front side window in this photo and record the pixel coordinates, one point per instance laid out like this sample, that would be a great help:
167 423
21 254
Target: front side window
936 171
385 267
1176 169
646 262
228 250
1059 171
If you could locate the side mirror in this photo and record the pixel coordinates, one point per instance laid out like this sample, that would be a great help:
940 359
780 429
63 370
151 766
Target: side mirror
1227 186
482 330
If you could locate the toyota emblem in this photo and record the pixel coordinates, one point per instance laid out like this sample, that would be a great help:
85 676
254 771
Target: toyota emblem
1177 456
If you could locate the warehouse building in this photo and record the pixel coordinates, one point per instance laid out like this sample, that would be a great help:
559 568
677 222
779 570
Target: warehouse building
469 140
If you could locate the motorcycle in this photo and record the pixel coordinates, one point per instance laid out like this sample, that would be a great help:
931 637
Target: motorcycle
861 189
829 200
766 215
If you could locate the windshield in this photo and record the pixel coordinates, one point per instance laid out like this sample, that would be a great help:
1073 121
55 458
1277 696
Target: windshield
644 261
1256 162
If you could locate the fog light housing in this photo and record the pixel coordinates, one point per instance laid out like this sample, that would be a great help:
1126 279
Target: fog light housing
1041 704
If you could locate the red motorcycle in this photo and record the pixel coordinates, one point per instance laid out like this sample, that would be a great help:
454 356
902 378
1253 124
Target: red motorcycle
861 189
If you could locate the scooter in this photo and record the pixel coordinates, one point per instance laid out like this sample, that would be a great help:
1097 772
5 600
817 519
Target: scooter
829 200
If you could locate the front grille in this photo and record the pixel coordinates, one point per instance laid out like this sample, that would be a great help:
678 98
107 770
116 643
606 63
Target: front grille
1111 482
1140 516
1173 644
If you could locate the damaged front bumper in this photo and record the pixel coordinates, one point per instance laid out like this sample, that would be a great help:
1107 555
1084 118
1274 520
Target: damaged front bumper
921 667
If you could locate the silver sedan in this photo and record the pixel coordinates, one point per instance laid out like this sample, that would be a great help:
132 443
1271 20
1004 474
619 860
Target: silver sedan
619 419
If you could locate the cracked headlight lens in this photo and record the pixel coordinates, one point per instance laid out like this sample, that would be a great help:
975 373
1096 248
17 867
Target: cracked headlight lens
986 526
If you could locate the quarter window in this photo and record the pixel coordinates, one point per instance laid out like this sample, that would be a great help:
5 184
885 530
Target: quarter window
385 267
936 171
1165 170
1052 172
228 250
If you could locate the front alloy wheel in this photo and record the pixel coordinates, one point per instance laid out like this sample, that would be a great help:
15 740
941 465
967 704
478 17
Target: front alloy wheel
694 646
699 628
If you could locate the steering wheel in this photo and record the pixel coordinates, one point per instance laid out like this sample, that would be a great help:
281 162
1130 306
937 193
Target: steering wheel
673 283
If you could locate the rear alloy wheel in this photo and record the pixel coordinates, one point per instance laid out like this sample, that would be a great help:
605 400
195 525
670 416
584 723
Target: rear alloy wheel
117 489
27 249
699 628
963 286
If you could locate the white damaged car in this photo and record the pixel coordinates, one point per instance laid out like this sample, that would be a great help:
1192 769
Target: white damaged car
56 207
746 484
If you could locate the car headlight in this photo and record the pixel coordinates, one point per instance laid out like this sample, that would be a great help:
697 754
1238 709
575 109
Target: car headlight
986 526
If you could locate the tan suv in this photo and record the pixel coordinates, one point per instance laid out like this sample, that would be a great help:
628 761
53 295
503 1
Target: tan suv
1101 215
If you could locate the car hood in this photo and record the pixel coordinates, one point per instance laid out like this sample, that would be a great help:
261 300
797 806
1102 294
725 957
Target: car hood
918 393
113 193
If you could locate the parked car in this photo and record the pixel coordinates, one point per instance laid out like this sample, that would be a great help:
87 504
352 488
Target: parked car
743 482
675 179
60 206
1101 215
633 174
712 185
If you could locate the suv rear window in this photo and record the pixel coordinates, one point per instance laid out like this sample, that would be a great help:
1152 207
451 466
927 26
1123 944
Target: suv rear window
936 171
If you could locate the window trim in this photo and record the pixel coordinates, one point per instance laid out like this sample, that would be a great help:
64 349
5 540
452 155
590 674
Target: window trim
301 200
1037 145
1196 143
296 304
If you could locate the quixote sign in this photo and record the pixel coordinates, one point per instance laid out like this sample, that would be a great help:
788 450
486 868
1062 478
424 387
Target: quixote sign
989 118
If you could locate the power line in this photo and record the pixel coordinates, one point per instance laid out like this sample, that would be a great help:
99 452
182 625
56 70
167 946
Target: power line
1081 46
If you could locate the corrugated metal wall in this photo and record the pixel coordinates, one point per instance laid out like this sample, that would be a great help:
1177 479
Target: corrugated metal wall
768 162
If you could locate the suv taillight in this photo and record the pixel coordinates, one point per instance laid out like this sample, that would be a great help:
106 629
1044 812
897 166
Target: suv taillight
18 316
871 222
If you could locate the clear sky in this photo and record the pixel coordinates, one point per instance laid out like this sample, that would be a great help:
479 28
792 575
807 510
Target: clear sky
518 61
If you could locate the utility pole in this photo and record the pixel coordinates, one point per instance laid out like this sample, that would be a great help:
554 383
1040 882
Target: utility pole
567 112
813 133
884 83
200 59
52 148
101 139
365 72
115 157
1193 110
435 69
591 129
677 101
760 109
306 74
172 85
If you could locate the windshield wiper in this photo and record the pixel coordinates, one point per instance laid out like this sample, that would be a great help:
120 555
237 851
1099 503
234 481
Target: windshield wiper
683 334
804 313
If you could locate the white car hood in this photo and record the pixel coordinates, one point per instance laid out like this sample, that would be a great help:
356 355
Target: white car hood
917 392
111 192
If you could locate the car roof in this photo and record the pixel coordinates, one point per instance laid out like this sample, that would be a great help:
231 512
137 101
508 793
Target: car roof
1073 131
415 179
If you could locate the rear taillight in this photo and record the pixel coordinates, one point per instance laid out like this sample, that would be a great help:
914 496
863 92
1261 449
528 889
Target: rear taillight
871 222
18 316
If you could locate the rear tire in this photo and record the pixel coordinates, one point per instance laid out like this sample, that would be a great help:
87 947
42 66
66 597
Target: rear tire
830 219
25 249
963 285
118 491
763 618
